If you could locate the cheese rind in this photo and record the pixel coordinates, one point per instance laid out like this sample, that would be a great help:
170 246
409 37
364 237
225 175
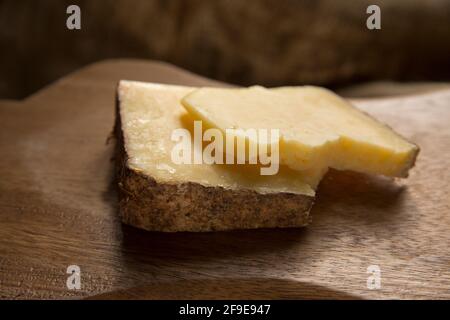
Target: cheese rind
318 129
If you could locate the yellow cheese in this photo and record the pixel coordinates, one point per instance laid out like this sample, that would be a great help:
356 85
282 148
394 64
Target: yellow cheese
318 129
151 112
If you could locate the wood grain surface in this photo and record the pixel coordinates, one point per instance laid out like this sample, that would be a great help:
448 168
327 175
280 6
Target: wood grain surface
58 208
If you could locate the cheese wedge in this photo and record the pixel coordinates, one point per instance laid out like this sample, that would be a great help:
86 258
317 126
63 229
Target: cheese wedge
318 129
157 194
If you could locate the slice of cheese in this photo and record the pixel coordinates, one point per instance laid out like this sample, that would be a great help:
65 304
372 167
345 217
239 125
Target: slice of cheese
150 112
318 129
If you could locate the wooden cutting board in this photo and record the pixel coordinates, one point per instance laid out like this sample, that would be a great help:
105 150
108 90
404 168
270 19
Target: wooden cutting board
58 208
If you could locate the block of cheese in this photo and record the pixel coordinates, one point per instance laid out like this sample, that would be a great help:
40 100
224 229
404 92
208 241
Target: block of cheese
156 194
318 129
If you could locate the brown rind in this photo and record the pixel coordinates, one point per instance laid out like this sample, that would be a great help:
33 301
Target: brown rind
151 205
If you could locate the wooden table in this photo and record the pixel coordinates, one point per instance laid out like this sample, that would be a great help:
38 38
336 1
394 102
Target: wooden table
58 208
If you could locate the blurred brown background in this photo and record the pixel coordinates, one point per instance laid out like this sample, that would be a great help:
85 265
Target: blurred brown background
322 42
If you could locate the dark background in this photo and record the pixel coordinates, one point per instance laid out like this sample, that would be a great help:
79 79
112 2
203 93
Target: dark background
322 42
